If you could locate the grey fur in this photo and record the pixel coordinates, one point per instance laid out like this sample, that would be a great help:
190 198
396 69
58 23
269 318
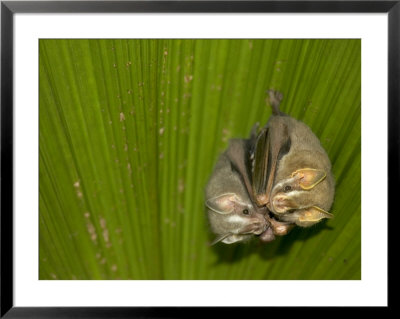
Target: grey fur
304 207
228 194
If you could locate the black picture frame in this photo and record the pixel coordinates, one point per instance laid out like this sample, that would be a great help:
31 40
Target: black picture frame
9 8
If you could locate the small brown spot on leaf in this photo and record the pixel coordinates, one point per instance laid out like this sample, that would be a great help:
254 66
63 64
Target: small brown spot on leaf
102 222
92 232
188 78
105 235
181 186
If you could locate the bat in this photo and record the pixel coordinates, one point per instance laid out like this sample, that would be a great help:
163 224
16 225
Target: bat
291 173
232 214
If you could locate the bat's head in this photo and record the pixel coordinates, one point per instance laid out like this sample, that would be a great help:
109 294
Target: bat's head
234 219
299 197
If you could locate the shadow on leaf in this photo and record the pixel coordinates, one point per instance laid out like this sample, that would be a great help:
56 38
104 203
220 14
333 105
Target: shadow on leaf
231 254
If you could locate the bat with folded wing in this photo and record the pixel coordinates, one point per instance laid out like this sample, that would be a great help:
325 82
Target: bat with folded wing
291 173
232 214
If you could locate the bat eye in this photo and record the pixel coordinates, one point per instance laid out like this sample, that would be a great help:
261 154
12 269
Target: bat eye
245 211
287 188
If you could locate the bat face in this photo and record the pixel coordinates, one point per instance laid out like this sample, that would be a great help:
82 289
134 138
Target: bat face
232 214
299 190
234 219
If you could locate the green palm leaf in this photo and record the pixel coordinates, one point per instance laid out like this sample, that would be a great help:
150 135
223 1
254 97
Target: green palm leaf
130 131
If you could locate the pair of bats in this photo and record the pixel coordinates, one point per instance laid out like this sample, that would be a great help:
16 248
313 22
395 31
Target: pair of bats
266 184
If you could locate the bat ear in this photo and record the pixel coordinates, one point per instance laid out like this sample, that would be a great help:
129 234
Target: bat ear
309 177
223 204
219 238
227 239
312 215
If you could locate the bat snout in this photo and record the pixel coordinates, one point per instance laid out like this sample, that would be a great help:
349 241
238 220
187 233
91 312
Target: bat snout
260 226
279 203
283 202
257 226
259 229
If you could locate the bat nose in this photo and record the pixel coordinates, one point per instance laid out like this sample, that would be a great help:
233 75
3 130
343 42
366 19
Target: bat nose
260 226
277 203
256 226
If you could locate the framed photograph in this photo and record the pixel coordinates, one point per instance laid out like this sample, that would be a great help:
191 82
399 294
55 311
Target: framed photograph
165 157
